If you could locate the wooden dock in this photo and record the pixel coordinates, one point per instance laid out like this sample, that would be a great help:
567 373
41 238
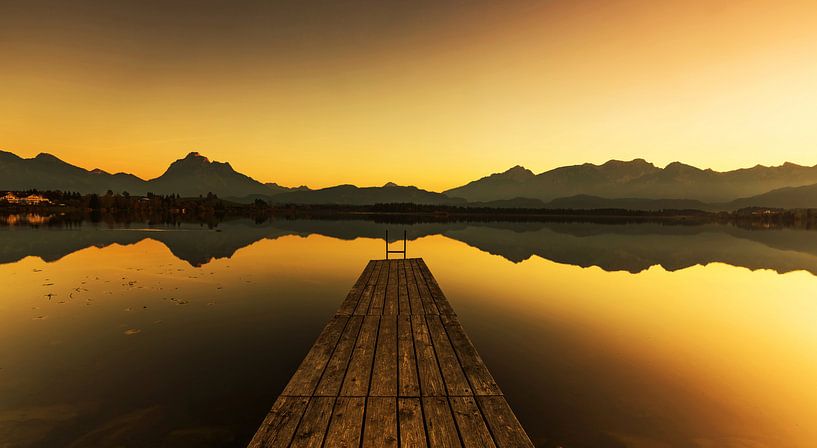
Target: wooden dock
392 368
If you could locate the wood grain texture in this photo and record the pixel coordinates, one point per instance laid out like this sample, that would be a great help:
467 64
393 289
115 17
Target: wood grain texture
455 382
368 290
440 426
305 379
506 429
411 422
314 423
279 426
431 382
475 370
473 430
384 372
335 371
350 303
408 382
392 367
380 427
356 382
346 423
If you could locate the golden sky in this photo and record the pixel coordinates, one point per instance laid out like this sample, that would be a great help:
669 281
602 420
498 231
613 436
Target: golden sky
430 93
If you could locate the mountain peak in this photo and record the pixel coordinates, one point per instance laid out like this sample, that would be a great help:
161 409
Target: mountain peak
46 156
195 155
517 172
390 184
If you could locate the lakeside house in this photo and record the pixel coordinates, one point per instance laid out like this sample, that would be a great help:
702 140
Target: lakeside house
32 199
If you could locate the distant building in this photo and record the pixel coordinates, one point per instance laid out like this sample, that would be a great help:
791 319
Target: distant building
11 198
32 199
35 199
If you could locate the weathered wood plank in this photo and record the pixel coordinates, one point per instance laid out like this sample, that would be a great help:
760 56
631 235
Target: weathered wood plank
431 383
350 303
359 371
314 423
473 431
506 429
440 427
280 423
403 306
380 428
335 371
368 290
412 425
478 375
384 373
443 306
409 385
425 295
379 295
390 306
415 302
305 379
346 424
455 382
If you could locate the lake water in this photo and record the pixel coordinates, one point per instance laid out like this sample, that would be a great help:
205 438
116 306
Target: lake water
601 335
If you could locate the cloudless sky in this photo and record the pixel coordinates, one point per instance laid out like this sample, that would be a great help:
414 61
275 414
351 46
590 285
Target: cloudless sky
429 93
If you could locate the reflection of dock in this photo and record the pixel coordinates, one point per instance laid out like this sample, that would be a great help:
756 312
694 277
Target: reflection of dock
392 368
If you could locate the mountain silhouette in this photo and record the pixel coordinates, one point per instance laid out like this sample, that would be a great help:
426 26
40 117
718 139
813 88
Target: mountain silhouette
636 179
789 197
352 195
192 175
635 184
196 174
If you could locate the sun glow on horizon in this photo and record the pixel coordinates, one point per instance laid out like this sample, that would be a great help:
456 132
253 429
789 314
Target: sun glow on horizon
433 95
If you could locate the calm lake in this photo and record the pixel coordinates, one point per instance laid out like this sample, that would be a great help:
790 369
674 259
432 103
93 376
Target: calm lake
600 334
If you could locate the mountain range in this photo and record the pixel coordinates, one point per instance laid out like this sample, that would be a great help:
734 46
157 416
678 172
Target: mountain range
635 184
636 179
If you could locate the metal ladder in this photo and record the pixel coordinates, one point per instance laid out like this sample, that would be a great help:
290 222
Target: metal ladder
388 251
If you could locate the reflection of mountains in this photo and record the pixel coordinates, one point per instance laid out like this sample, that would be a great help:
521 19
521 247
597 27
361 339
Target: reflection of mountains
612 247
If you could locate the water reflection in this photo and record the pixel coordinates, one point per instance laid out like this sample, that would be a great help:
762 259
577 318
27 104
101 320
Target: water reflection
611 246
182 335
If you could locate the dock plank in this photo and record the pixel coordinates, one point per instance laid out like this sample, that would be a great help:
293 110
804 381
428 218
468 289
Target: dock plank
392 367
390 305
429 306
280 423
305 379
402 289
415 302
356 382
350 303
346 423
506 429
443 306
440 426
408 383
411 422
455 382
335 371
473 430
384 372
379 296
368 290
314 423
380 427
431 382
478 375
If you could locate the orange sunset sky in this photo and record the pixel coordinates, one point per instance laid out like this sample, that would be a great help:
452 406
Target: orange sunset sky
430 93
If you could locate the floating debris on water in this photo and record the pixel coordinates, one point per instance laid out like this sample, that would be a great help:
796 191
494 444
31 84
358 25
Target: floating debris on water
39 318
132 331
